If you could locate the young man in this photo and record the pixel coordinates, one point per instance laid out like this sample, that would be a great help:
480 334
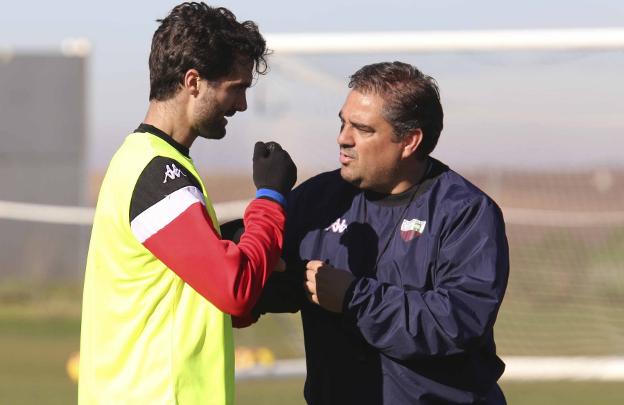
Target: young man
160 283
404 262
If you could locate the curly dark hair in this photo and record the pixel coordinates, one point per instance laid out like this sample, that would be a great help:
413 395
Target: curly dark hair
197 36
411 99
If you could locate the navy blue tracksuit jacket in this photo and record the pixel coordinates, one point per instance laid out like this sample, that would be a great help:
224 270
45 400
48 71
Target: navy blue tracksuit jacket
432 266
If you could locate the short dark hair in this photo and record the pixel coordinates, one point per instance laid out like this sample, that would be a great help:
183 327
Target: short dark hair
411 99
197 36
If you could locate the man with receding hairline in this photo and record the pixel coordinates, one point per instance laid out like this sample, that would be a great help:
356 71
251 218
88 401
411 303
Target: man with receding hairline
397 263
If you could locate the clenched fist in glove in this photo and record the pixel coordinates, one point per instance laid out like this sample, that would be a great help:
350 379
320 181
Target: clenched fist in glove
273 169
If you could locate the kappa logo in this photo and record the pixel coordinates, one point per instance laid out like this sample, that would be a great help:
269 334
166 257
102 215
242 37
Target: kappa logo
412 228
172 173
338 226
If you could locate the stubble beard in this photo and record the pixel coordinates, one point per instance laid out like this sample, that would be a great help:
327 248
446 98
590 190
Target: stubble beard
379 182
211 131
209 123
349 176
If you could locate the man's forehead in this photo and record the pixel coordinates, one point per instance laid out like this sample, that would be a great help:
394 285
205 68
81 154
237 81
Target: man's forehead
358 102
241 72
244 67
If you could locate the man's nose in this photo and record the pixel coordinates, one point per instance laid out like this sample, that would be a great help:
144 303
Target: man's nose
241 103
345 137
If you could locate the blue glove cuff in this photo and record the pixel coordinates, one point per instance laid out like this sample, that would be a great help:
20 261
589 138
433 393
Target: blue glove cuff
272 194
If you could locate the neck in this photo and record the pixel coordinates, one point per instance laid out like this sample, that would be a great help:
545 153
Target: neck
170 118
412 173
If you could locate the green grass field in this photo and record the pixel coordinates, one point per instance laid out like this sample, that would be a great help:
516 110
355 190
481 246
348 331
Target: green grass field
34 349
40 329
568 393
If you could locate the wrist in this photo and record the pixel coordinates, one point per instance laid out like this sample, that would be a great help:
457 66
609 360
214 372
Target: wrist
271 194
348 294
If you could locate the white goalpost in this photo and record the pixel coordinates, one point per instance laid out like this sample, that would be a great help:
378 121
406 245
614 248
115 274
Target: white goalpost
588 39
518 368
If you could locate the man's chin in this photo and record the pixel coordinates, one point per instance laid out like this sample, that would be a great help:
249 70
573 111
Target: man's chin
349 177
212 133
218 135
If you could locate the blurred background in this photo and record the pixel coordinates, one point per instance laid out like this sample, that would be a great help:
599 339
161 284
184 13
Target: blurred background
541 131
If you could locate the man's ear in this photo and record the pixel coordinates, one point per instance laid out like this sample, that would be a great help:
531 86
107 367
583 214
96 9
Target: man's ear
191 81
411 142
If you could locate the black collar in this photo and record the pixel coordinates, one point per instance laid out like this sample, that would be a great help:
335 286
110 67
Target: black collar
150 129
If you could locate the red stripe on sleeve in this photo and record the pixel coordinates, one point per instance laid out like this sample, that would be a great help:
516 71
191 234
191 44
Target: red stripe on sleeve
230 276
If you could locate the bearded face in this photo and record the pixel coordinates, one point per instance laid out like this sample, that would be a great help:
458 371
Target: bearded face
219 99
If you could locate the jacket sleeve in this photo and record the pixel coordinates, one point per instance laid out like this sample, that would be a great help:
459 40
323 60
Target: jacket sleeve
284 292
170 219
469 282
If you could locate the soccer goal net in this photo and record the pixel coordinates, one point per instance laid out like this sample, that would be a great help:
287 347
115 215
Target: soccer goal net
538 130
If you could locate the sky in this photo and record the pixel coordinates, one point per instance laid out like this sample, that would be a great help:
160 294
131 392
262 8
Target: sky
501 109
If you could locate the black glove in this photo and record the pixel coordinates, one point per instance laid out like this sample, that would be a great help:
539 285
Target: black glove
232 230
273 168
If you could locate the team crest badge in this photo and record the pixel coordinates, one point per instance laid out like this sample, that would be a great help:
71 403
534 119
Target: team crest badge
412 228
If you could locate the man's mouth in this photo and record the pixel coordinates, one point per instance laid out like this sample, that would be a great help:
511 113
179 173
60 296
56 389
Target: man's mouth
345 158
227 114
